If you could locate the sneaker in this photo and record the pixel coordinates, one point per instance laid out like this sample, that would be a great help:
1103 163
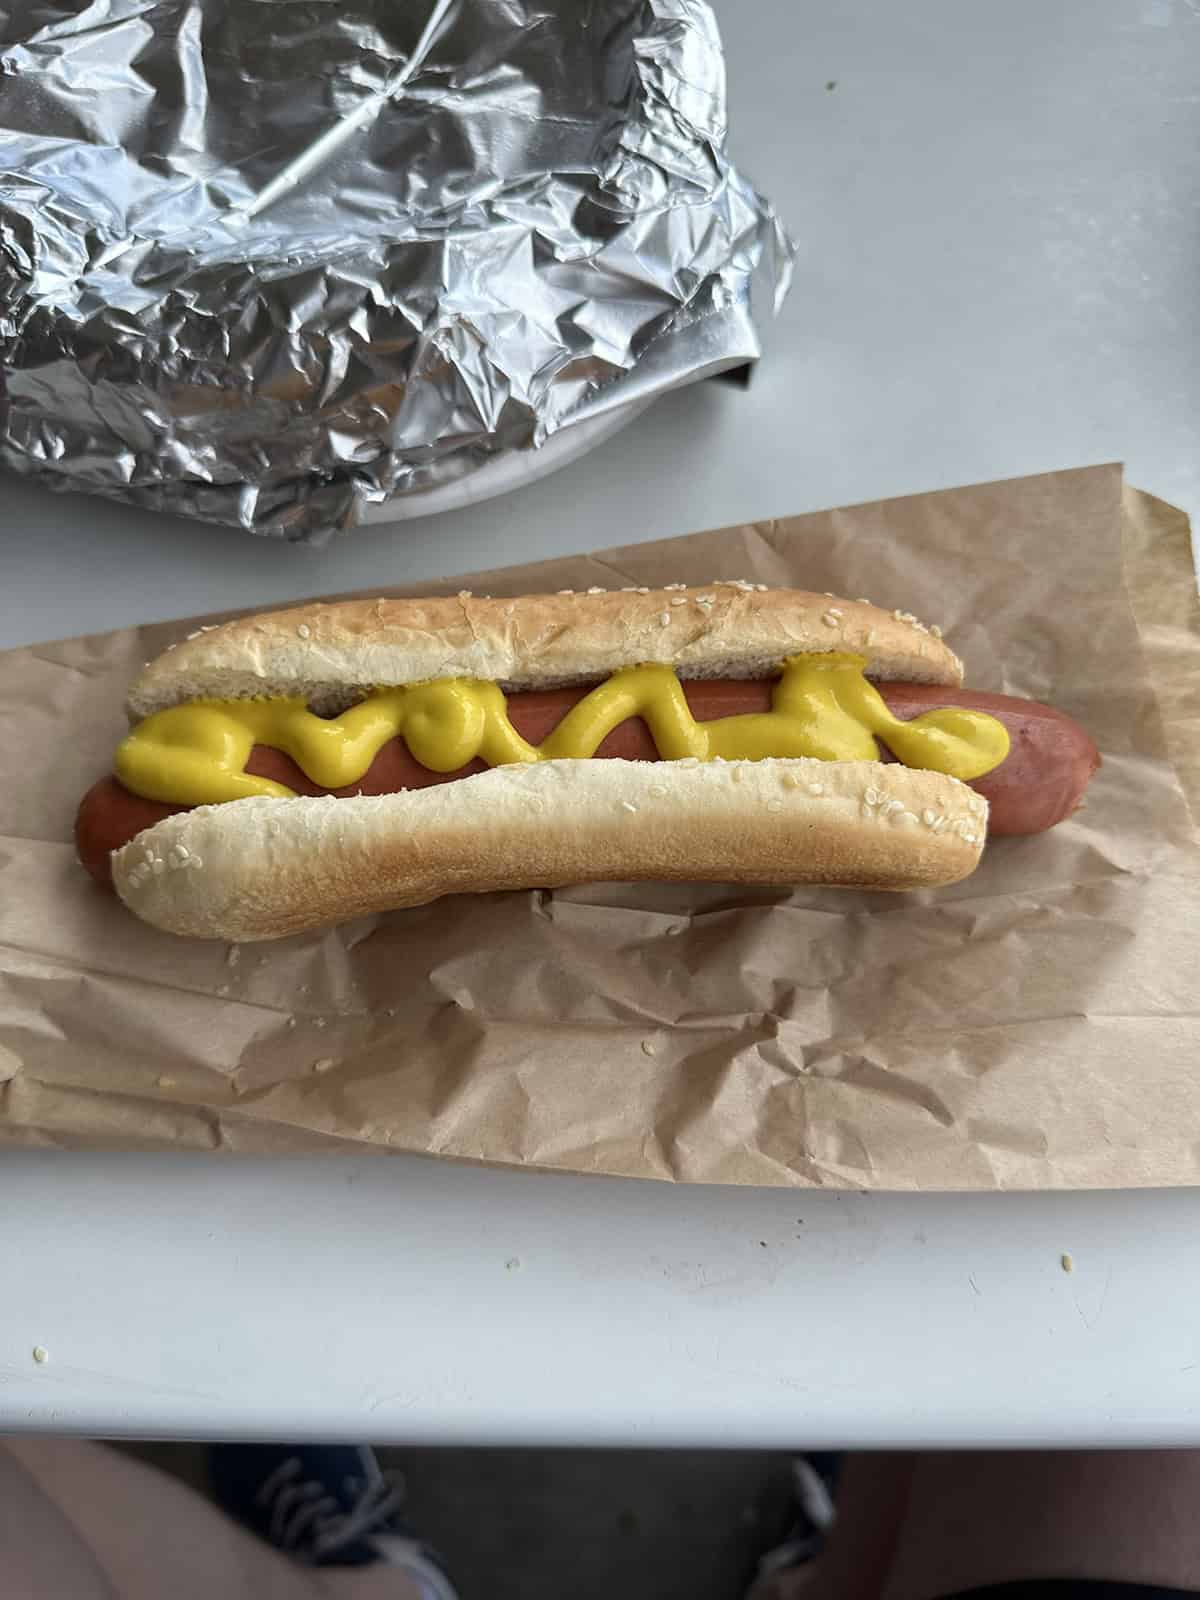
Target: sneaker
814 1488
323 1505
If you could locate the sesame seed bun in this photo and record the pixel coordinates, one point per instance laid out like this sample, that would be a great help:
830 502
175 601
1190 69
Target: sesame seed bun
332 653
263 868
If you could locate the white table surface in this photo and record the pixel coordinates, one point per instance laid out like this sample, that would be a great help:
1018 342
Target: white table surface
998 209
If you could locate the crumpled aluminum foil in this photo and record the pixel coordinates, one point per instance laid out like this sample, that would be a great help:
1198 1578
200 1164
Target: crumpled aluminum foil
271 262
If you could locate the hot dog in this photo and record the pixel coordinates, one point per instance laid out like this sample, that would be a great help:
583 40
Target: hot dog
740 716
1039 783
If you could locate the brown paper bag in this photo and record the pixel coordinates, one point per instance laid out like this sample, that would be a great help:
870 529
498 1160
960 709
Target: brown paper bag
1035 1026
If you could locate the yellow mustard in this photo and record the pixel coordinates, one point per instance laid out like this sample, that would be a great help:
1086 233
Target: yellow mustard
822 706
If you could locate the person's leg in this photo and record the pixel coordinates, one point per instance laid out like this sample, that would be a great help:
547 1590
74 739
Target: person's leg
80 1520
1129 1516
921 1527
41 1554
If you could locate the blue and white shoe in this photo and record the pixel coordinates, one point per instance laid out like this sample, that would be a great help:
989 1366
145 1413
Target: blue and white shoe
324 1505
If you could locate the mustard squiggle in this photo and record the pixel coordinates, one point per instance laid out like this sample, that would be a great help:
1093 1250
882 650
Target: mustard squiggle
822 706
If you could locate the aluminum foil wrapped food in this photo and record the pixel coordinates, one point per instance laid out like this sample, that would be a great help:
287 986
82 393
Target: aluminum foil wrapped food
275 263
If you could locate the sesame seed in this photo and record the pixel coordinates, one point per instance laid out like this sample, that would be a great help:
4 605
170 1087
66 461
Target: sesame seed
761 587
890 806
595 589
648 1047
705 599
679 600
195 861
318 1022
669 586
165 1081
324 1064
872 797
565 591
908 818
790 780
829 594
935 630
464 594
641 589
160 866
831 618
628 805
929 817
658 790
630 588
304 630
863 601
665 618
816 788
774 805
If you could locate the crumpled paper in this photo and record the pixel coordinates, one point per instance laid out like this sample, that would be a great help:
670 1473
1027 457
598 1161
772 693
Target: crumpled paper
1034 1026
271 265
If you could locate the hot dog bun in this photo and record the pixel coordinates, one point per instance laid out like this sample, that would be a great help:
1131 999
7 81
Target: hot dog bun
332 652
264 868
